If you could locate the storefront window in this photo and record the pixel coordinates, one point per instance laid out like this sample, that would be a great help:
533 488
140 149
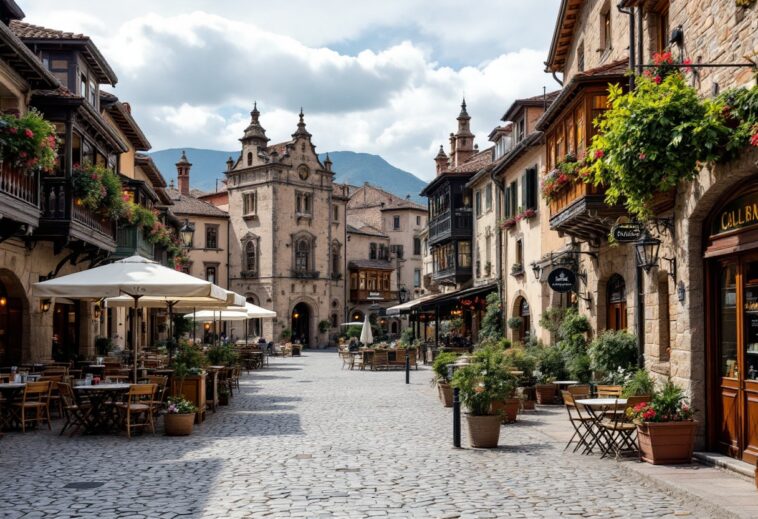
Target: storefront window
751 320
728 321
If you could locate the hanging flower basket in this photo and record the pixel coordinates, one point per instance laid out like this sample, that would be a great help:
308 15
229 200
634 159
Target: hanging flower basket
508 223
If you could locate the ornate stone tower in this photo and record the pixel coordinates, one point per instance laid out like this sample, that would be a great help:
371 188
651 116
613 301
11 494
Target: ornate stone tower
253 141
441 161
463 139
182 174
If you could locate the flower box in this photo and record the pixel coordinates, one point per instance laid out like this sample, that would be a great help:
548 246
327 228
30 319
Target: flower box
666 443
508 223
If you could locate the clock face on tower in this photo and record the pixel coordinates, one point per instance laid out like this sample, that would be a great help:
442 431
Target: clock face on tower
303 171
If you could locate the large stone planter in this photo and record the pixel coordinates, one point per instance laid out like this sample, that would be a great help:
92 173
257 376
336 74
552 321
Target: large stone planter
666 443
179 424
446 393
507 409
192 388
545 393
483 431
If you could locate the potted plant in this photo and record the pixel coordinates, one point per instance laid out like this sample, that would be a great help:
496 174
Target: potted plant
517 269
665 428
522 359
514 323
441 376
286 335
639 384
481 382
180 416
551 366
509 405
222 355
189 376
223 395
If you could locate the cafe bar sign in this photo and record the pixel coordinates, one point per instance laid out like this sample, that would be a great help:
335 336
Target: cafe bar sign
740 213
561 280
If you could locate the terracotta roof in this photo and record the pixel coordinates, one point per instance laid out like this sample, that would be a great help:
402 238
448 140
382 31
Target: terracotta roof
610 72
192 206
568 14
36 34
475 163
23 60
391 201
539 100
403 204
122 115
356 226
370 264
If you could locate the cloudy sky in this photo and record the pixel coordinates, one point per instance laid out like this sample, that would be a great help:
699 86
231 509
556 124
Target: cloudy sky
381 77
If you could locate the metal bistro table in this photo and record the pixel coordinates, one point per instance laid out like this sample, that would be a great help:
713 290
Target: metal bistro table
597 409
9 391
103 416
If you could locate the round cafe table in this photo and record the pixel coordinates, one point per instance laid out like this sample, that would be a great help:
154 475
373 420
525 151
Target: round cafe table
103 416
597 409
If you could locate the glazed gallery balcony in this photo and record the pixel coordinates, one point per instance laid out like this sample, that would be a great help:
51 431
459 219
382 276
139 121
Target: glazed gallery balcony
131 241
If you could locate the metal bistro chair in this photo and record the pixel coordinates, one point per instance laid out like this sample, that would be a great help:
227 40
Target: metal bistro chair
583 425
618 429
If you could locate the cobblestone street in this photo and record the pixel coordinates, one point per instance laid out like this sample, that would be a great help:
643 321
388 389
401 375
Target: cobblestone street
307 439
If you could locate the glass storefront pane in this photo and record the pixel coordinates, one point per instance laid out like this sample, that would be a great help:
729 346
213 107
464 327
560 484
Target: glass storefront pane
728 321
751 320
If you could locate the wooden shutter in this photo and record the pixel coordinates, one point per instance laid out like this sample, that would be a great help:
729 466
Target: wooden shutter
531 189
507 209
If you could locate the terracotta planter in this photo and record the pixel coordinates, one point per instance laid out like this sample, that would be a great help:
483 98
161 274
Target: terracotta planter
179 424
507 409
446 394
483 431
545 393
666 443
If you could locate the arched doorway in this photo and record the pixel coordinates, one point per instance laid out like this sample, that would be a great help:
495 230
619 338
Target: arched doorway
522 311
66 331
616 293
11 319
301 323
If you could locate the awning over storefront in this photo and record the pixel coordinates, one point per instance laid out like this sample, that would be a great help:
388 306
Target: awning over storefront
406 308
455 297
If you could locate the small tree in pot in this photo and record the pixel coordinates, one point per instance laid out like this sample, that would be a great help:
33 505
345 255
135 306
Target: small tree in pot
524 360
484 381
551 366
441 377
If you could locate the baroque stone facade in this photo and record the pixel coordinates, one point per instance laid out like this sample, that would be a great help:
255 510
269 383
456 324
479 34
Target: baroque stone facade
287 245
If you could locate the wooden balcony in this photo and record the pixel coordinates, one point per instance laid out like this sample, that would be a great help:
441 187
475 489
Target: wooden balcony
19 196
451 224
367 296
131 241
580 210
62 220
452 275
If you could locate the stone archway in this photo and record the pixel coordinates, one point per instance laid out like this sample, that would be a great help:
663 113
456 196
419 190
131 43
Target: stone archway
14 319
688 339
301 317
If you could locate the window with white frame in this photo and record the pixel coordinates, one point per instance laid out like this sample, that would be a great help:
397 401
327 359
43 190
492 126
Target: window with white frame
250 203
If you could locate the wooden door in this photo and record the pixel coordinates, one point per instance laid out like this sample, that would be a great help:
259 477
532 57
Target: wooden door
749 348
727 416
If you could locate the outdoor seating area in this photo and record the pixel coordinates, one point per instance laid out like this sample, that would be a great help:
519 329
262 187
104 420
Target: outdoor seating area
375 359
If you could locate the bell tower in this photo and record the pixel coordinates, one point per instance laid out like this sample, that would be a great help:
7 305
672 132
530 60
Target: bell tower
182 174
464 139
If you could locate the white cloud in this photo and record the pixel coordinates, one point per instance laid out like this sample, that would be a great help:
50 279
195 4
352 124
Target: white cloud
192 76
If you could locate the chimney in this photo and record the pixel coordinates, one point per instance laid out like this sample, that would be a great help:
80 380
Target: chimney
182 174
441 161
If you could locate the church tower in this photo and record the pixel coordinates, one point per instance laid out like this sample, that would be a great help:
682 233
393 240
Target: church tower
253 141
182 174
463 140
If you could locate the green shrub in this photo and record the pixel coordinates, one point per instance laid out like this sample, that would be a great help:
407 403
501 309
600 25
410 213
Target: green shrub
551 320
222 355
578 367
551 364
572 333
485 380
492 323
521 359
639 384
440 364
514 323
611 351
353 331
406 338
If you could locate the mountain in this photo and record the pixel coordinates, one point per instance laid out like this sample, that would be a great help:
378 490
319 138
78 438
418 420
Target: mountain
350 167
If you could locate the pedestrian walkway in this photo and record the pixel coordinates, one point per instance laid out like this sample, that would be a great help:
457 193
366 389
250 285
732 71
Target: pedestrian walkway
305 438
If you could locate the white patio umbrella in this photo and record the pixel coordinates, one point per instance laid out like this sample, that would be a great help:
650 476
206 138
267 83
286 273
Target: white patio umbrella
220 315
354 323
135 277
366 336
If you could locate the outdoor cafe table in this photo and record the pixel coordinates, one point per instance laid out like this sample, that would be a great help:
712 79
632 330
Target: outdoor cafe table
8 391
597 408
103 416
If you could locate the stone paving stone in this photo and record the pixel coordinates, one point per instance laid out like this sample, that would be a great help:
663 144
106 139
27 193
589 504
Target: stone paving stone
348 444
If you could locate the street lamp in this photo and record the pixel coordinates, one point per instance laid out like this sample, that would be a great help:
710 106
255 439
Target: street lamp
647 249
403 295
187 232
537 269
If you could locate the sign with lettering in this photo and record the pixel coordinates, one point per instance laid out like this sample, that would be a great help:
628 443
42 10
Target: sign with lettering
375 296
739 213
627 232
561 280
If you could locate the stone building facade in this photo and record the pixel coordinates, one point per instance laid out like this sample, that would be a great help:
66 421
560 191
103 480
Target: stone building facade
287 238
686 310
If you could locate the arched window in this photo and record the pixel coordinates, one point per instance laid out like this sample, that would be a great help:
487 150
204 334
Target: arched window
251 257
522 312
616 292
249 158
302 255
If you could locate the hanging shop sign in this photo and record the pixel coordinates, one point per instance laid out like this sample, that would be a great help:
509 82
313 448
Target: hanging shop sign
561 280
627 232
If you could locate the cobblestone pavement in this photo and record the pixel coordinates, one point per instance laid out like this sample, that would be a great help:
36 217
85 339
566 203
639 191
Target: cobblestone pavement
307 439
